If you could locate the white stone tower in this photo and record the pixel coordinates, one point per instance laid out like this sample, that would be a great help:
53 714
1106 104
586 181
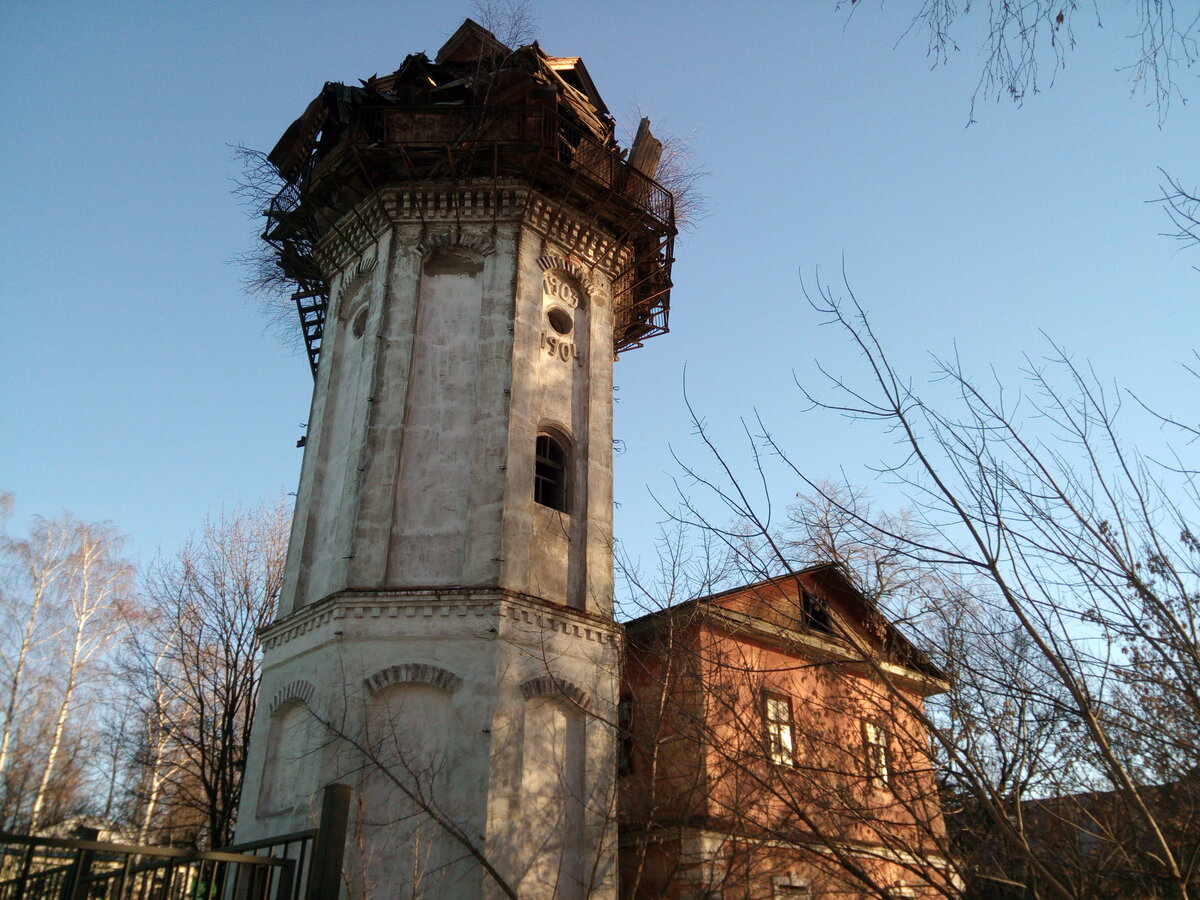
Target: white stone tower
471 248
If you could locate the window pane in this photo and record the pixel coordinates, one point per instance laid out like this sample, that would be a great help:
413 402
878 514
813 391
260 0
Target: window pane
876 739
778 714
549 474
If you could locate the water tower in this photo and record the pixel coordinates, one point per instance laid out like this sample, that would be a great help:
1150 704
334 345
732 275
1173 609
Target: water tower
471 249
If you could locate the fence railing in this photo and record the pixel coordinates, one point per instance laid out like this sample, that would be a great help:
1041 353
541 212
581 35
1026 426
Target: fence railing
304 865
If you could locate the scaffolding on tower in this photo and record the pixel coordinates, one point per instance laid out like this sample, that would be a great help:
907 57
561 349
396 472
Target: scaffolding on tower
480 113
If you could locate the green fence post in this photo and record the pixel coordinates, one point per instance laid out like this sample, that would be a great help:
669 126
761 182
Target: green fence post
81 868
325 871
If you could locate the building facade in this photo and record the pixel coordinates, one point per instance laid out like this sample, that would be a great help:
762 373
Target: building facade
471 248
773 747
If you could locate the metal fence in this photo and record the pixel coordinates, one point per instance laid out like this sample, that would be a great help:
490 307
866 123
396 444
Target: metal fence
304 865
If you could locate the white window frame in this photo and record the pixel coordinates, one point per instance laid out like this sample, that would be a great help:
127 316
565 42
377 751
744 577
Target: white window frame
790 887
879 759
780 729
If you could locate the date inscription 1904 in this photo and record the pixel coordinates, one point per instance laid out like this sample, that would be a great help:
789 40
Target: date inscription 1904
559 347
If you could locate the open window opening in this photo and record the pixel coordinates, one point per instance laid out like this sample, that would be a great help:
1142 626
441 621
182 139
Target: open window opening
816 614
625 735
550 472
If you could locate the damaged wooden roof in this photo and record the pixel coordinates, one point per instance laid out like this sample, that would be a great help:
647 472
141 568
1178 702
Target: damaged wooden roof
471 69
478 109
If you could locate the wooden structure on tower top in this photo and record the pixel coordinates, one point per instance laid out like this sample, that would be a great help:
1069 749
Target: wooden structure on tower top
477 113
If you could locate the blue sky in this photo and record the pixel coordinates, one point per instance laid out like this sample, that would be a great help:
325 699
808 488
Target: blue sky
141 385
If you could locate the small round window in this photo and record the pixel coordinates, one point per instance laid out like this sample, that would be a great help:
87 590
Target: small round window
560 319
359 326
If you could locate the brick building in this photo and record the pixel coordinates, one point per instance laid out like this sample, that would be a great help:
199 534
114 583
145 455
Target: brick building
772 747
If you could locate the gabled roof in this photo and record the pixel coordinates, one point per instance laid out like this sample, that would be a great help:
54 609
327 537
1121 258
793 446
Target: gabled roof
572 70
471 43
815 611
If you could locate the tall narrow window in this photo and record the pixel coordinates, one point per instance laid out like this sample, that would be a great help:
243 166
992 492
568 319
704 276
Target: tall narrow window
777 712
625 736
875 739
550 473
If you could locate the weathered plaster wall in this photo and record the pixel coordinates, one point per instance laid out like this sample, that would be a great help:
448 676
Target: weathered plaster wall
445 629
512 694
440 368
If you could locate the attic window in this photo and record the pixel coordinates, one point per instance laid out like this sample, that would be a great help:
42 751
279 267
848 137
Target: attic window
816 614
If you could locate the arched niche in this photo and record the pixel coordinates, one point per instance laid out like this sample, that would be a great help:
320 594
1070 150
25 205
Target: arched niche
290 767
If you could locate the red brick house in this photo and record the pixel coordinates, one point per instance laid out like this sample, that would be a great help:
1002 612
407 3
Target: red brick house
773 747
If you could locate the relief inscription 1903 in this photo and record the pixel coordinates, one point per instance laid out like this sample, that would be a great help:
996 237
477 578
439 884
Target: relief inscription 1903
560 298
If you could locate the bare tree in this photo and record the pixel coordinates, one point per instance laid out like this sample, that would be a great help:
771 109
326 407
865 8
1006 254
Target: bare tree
97 586
66 588
256 189
511 21
156 759
681 173
1183 208
201 666
1073 626
36 566
1026 44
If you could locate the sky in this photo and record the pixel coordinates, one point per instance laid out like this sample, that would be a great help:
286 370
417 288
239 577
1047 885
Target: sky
142 386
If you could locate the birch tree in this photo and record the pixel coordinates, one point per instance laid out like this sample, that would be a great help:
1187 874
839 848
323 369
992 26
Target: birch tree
65 590
35 567
96 585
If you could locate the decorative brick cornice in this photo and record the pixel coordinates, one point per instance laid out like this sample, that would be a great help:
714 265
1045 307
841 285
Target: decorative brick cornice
478 200
445 208
568 229
413 673
454 603
550 619
353 234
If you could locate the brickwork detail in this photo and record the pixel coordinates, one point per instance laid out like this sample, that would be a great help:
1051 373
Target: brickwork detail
413 673
299 690
549 686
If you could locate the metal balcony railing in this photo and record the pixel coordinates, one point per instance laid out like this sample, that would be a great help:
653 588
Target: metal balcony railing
388 144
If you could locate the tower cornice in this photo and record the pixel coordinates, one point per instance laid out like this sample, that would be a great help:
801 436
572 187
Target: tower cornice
495 604
445 210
